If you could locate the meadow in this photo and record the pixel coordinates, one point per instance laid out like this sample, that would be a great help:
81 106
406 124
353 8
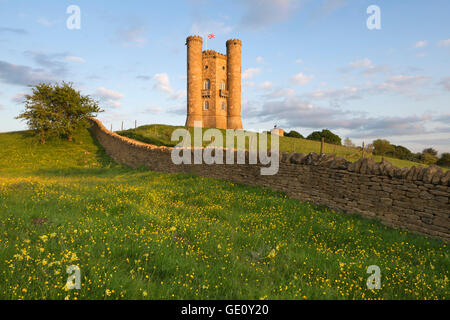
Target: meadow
159 134
138 234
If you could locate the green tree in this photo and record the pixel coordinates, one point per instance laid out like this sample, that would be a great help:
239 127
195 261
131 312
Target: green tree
329 137
382 146
348 143
431 151
57 110
294 134
444 160
401 152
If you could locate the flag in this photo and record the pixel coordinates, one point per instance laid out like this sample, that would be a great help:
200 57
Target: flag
211 35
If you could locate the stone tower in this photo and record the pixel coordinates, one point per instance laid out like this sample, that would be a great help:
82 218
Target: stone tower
213 85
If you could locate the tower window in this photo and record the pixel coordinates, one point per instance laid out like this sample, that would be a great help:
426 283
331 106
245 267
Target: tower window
222 85
206 67
206 105
224 105
207 84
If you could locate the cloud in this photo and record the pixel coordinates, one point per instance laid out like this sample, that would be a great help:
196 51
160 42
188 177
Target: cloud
75 59
259 59
250 73
297 111
298 61
23 75
329 6
46 22
19 97
109 97
421 44
346 93
204 27
301 79
142 77
263 13
403 84
445 83
444 43
54 62
132 37
365 65
267 85
162 83
13 30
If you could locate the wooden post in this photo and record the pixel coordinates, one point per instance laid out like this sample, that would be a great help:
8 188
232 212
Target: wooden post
363 150
122 125
321 145
293 146
111 127
135 124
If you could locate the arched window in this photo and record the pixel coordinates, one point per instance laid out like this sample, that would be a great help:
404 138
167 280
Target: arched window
222 85
207 84
224 105
206 105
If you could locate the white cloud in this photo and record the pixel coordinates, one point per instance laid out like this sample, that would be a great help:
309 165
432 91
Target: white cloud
250 73
298 61
403 84
205 27
132 36
421 44
75 59
262 13
259 59
19 97
444 43
365 63
301 79
46 22
266 85
109 97
162 83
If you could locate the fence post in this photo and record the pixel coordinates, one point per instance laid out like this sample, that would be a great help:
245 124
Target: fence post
321 145
135 124
363 150
111 127
122 125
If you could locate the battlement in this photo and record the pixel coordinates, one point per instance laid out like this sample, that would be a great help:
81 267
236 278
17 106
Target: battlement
194 38
214 53
234 42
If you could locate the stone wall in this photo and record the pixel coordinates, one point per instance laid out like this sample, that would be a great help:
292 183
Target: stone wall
416 199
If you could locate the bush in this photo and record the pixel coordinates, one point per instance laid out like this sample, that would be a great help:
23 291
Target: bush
294 134
329 137
444 160
382 147
57 110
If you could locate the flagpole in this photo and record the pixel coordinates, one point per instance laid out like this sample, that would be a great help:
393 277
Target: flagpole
206 42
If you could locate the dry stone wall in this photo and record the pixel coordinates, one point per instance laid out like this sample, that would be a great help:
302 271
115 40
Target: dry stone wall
416 199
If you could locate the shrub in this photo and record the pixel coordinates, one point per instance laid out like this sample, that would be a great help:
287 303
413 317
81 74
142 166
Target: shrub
329 137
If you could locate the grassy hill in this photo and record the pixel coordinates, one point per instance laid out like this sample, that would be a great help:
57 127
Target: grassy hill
137 234
160 135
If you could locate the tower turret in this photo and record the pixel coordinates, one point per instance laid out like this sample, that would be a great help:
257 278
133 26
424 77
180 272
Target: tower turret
234 84
194 79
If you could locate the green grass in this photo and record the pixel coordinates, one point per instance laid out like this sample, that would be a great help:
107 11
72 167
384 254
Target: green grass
137 234
160 135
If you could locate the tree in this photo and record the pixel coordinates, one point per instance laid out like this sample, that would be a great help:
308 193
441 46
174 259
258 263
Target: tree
294 134
348 143
57 110
444 160
329 137
431 151
401 152
381 147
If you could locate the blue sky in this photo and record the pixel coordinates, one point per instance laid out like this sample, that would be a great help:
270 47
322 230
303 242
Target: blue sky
307 64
